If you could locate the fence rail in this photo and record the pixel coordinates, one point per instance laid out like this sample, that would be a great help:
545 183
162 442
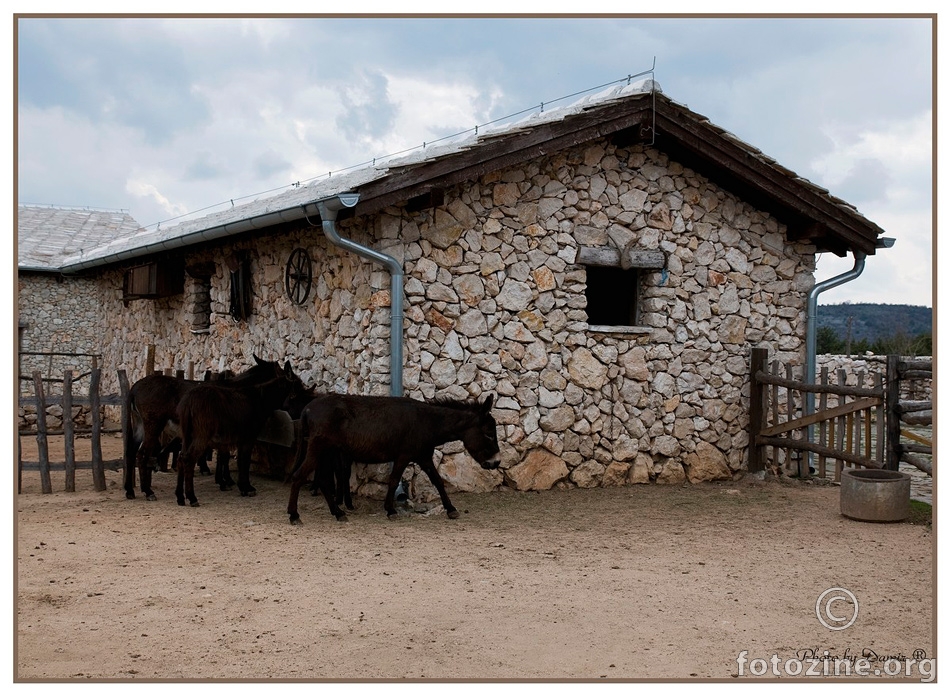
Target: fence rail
919 453
42 400
849 426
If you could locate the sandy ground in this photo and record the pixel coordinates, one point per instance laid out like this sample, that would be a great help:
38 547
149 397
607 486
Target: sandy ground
645 582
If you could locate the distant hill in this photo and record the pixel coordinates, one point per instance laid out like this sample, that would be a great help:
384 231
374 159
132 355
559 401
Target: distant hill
875 321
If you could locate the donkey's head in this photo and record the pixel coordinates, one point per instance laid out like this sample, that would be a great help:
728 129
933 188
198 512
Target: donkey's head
481 438
298 395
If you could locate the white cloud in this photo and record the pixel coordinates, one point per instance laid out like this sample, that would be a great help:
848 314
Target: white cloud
146 190
906 147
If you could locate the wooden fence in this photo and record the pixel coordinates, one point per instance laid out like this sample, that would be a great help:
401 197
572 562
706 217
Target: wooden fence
42 398
919 452
70 430
793 423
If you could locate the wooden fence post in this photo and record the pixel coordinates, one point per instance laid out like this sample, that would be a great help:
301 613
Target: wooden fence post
150 359
68 434
42 444
759 358
98 471
892 398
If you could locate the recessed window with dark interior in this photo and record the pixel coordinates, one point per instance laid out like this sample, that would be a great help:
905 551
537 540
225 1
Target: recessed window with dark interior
613 296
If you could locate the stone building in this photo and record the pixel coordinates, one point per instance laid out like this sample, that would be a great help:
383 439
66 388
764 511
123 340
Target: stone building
603 269
58 313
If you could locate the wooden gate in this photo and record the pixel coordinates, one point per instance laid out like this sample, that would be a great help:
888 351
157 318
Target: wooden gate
793 423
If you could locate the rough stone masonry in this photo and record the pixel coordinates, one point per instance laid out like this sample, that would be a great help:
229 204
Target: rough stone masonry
495 303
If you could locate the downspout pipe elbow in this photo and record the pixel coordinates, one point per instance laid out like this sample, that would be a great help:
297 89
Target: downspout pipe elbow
811 327
328 215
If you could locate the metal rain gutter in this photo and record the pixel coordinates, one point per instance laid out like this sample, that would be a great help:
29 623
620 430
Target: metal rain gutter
328 211
211 234
811 333
811 327
811 342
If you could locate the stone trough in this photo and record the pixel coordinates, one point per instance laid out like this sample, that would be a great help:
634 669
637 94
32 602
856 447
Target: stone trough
875 495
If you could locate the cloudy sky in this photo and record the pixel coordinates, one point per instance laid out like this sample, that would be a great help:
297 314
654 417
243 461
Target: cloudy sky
166 117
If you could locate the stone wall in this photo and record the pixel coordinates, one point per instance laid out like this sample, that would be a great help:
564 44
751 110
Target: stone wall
870 365
57 315
495 303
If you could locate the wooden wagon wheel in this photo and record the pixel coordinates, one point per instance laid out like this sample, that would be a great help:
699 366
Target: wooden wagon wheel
299 276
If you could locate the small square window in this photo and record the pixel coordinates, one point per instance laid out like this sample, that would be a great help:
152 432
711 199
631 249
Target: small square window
613 296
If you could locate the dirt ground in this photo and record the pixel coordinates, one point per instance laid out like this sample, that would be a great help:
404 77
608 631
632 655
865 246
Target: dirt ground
643 582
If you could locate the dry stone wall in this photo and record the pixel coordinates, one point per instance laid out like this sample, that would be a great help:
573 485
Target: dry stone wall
867 367
495 304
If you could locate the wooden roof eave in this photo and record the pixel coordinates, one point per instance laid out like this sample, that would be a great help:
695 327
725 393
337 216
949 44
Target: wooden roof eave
829 224
499 153
806 201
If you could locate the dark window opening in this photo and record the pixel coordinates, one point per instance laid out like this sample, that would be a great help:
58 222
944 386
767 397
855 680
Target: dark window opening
153 281
612 296
239 266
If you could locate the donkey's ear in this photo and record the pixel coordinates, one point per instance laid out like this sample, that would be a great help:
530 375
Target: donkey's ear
486 404
288 369
258 360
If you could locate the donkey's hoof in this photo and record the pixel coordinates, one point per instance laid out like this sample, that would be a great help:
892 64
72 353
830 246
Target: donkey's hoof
181 501
195 503
130 495
453 514
151 496
248 494
295 520
343 518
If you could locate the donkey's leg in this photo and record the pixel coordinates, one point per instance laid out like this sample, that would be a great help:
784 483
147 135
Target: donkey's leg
399 466
189 468
180 487
303 468
145 472
132 444
186 475
161 459
433 474
150 445
294 493
325 473
244 470
344 470
203 463
222 470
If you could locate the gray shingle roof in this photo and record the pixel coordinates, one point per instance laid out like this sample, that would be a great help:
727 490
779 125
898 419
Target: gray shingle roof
91 239
46 236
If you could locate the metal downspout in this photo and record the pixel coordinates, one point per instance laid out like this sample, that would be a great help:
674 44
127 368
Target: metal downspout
328 210
811 341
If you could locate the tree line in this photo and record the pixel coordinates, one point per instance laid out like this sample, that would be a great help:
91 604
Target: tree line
828 342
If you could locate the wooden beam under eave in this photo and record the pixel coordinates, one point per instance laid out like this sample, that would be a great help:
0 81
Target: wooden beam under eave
507 152
807 231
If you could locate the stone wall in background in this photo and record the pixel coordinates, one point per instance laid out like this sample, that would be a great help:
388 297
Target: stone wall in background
57 315
870 365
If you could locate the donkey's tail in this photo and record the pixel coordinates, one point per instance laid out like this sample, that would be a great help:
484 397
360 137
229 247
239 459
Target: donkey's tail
303 438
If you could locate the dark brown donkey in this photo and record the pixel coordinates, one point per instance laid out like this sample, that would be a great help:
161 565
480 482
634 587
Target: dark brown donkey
152 407
212 416
377 429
